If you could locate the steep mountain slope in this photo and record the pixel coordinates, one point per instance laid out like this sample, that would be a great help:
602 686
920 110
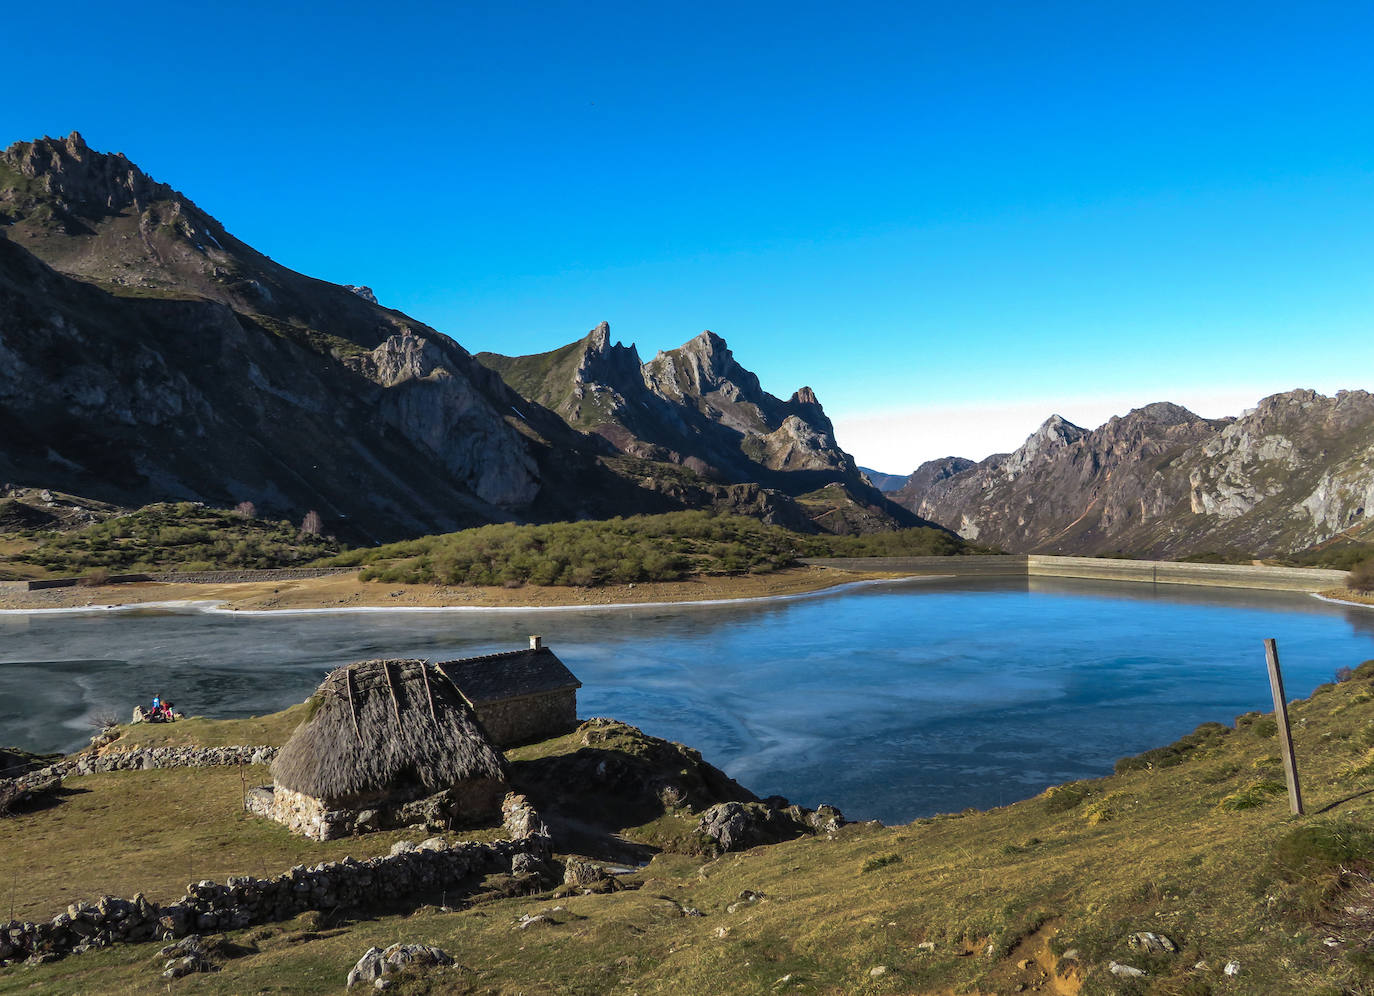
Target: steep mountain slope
912 489
1293 472
696 406
148 354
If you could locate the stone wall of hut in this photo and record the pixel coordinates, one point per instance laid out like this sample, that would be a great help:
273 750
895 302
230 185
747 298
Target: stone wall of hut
529 718
467 804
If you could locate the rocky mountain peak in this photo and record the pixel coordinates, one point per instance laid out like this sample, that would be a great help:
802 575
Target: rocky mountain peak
616 366
805 396
1054 433
1163 413
69 170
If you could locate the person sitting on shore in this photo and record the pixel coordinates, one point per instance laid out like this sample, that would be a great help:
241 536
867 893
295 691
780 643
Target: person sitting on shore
167 712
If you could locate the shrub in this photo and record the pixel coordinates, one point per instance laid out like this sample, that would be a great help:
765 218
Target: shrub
96 577
873 864
1253 796
1361 576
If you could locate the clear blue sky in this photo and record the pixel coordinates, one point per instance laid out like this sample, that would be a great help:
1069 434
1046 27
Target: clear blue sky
917 209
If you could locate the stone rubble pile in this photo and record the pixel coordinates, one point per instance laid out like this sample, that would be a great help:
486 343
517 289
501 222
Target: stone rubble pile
244 900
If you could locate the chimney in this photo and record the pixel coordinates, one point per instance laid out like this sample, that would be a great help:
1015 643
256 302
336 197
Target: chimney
536 643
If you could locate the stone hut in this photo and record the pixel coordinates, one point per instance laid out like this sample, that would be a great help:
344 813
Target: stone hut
520 696
384 744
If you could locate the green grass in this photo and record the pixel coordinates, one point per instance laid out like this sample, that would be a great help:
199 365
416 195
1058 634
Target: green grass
180 536
1079 868
316 341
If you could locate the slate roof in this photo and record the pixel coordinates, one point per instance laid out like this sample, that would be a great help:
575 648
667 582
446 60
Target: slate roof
509 675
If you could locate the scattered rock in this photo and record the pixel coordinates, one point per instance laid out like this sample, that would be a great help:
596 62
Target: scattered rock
878 971
926 946
577 872
1152 943
1124 971
376 963
737 826
1232 968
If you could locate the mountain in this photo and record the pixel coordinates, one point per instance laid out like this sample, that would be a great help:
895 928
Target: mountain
884 482
146 354
150 355
913 488
697 407
1294 472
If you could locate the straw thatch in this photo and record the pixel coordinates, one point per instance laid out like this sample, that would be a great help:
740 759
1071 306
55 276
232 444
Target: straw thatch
394 728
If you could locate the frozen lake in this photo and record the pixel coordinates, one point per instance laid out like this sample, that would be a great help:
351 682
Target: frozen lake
891 701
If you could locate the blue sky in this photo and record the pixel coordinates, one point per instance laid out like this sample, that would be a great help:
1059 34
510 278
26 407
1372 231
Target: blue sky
950 220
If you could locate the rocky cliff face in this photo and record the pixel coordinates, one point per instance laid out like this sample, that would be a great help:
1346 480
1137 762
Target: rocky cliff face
912 489
694 405
1161 481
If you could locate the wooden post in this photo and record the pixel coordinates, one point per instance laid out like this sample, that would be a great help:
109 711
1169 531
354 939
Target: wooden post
352 709
1290 763
391 686
424 673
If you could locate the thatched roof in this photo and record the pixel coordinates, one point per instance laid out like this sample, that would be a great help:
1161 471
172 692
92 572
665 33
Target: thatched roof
510 675
382 725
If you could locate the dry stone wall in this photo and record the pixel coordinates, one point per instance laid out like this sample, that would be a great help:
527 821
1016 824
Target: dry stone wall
145 759
410 870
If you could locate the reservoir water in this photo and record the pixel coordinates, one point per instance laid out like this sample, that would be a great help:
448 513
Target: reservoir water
891 701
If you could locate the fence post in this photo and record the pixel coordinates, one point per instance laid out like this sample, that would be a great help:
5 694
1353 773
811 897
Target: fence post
1290 763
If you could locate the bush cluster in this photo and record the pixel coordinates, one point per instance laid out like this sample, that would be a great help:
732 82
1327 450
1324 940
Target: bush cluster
182 536
616 551
642 548
1362 576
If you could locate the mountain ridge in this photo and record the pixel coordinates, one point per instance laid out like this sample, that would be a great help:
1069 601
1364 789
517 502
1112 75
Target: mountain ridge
1293 472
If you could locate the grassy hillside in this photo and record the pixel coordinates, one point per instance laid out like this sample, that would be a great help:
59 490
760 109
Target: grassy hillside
166 536
640 548
1191 843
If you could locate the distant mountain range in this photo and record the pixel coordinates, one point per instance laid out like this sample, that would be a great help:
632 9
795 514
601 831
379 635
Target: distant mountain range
1295 472
147 354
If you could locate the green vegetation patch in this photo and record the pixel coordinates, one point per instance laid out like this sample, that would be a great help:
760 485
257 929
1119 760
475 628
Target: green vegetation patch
642 548
1205 736
182 536
666 547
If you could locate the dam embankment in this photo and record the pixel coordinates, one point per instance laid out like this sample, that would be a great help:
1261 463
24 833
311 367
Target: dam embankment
1098 569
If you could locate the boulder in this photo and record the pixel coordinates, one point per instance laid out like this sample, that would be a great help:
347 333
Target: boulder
736 826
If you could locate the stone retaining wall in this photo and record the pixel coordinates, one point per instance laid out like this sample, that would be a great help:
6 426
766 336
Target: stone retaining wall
241 901
145 759
1098 568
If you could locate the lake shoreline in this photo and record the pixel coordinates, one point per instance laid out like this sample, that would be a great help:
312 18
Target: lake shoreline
346 593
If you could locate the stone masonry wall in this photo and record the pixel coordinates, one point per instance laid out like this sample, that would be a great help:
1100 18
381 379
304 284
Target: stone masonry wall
529 718
241 901
145 759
